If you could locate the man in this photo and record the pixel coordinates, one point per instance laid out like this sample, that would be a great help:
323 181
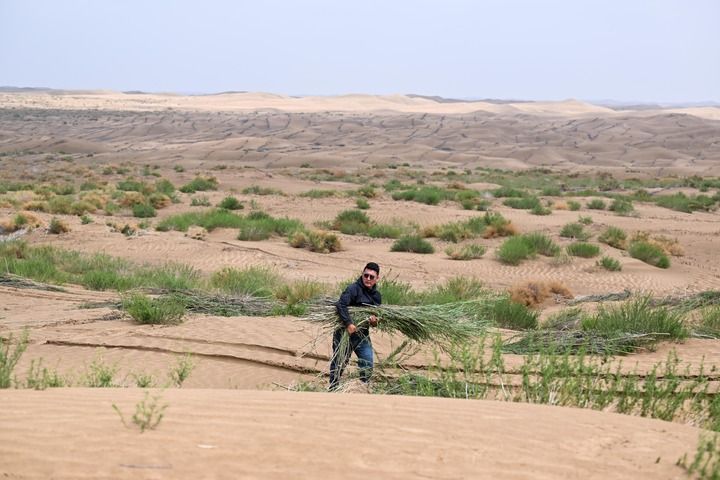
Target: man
361 292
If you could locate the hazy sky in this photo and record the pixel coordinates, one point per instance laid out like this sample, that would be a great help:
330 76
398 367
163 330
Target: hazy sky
648 50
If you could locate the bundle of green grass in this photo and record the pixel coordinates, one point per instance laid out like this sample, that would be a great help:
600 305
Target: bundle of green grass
443 324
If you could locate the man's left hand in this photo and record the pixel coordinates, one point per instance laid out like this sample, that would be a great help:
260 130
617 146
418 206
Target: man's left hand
373 321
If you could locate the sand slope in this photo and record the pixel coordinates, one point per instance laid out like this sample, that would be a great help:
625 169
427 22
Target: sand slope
74 434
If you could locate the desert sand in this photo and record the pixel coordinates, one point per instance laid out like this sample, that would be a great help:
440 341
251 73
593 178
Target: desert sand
233 416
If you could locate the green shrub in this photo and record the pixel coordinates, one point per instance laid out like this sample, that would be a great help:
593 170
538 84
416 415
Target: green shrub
367 191
209 219
362 203
154 311
200 184
231 203
523 203
683 203
165 187
315 193
575 231
396 292
143 210
456 289
540 210
541 244
387 231
514 250
614 236
58 226
636 316
412 243
256 281
86 219
426 195
131 185
649 253
466 252
514 316
585 219
622 207
596 204
582 249
573 205
508 192
609 263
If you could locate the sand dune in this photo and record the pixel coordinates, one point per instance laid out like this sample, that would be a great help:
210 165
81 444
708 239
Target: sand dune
230 434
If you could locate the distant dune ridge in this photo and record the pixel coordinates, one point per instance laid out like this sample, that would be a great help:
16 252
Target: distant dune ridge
267 129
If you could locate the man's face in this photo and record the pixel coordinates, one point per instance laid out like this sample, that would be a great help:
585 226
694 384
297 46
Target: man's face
370 278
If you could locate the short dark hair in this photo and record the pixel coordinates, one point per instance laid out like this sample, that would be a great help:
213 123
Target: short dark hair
372 266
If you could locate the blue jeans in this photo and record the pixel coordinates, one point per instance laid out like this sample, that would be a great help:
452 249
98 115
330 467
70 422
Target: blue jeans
362 346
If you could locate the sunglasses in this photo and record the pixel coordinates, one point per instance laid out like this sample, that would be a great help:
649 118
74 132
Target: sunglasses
369 276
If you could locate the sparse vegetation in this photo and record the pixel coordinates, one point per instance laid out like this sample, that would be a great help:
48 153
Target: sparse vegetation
258 190
596 204
148 413
583 249
649 253
183 368
412 243
315 241
610 264
575 231
153 311
614 236
230 203
466 252
514 250
58 226
200 184
10 356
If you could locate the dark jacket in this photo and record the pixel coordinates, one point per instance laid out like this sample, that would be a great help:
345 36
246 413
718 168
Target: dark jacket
357 294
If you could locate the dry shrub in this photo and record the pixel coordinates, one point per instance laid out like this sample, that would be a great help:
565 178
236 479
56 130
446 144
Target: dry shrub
95 199
507 230
130 199
160 200
534 292
456 186
7 225
36 206
58 226
670 246
197 233
560 205
31 220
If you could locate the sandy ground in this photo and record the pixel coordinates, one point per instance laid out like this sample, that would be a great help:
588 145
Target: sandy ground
214 431
75 433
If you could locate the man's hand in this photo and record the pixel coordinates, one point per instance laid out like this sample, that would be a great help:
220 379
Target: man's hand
373 321
351 328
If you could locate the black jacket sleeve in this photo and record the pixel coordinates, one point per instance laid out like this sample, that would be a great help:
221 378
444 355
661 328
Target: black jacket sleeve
348 297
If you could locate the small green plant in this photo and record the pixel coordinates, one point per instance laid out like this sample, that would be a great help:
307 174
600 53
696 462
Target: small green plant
315 241
609 263
200 184
412 243
40 378
466 252
315 193
514 250
522 203
621 207
540 210
575 231
514 316
231 203
148 413
596 204
362 203
143 210
614 236
58 226
9 358
154 311
541 244
86 219
182 369
585 219
179 168
582 249
100 375
257 190
649 253
706 462
637 316
573 205
143 380
256 281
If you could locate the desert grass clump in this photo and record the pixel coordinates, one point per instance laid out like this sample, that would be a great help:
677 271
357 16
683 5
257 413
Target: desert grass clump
575 231
256 281
258 190
99 374
637 316
298 294
393 230
200 184
200 201
41 378
541 244
58 226
708 324
426 194
596 204
153 311
533 293
412 243
573 205
230 203
159 200
610 264
315 241
671 246
622 207
514 250
143 210
456 231
352 222
509 314
522 203
540 210
260 226
455 289
466 252
649 253
497 226
362 203
615 237
316 193
182 369
583 249
209 220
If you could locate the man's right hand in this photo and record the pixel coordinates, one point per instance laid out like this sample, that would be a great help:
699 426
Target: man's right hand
351 328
